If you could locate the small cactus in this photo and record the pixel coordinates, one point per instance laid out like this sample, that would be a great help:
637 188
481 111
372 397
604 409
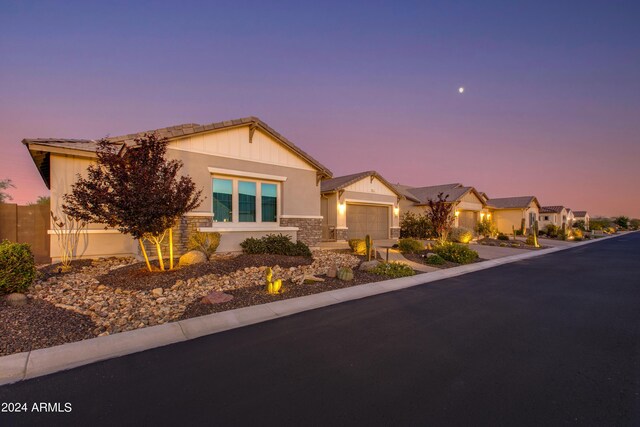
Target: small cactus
513 228
273 286
368 242
345 273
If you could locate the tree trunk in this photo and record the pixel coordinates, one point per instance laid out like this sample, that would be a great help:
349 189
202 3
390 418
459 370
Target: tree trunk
171 249
144 253
159 251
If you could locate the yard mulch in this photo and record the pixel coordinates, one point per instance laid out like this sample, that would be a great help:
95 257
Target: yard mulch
138 277
509 244
418 257
245 297
420 260
47 271
40 324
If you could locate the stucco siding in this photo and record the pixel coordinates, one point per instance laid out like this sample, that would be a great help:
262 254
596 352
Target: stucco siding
234 144
300 193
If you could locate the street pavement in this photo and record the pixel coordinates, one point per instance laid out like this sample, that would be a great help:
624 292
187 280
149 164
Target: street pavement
553 340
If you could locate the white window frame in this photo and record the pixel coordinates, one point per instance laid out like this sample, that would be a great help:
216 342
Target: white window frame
235 201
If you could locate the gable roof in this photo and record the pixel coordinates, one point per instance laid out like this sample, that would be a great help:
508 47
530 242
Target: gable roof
422 195
404 190
171 132
579 213
520 202
341 182
551 209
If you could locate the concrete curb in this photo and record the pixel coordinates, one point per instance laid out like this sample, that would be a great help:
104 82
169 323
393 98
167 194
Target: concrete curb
35 363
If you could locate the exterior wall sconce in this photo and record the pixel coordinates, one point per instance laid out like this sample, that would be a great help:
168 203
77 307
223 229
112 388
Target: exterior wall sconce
396 210
481 216
342 207
457 213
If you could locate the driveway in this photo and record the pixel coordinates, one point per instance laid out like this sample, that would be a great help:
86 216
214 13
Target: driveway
548 341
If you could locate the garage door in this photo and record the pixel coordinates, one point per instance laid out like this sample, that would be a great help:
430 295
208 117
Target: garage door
467 219
367 219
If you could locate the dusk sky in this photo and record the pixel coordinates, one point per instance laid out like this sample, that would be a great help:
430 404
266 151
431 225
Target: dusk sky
551 104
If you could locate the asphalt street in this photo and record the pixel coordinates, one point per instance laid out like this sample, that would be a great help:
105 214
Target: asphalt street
554 340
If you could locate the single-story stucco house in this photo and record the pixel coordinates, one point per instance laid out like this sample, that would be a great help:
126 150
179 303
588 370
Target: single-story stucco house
469 204
582 216
254 180
360 204
554 215
508 212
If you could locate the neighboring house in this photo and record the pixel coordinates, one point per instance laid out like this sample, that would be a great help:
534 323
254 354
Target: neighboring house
508 212
570 217
255 182
353 206
469 204
554 215
582 216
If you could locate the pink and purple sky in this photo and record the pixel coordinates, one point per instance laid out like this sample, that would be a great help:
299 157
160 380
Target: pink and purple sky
551 104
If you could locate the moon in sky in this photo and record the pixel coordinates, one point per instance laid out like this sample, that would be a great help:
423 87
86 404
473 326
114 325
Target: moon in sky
460 89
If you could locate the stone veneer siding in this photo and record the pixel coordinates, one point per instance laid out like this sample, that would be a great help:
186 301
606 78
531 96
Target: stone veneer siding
181 233
310 229
395 233
341 233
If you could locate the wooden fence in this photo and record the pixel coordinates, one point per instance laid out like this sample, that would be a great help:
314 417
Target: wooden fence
27 224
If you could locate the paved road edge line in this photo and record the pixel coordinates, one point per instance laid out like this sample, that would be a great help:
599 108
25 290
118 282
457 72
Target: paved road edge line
21 366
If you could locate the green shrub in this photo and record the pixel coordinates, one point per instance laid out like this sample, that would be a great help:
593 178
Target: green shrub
17 267
393 269
486 228
551 231
207 243
416 226
503 237
279 244
460 235
435 259
410 245
358 246
455 253
577 234
562 234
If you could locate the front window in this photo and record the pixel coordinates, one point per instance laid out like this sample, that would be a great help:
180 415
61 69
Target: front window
269 202
240 200
247 201
222 200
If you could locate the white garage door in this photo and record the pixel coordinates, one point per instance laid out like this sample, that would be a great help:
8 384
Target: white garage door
367 219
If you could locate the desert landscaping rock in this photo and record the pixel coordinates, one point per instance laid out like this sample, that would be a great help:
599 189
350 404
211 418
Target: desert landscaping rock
216 297
16 299
369 265
309 278
40 324
191 258
102 295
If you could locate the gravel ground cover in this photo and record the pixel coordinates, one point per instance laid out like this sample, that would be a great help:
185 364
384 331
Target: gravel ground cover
112 295
40 324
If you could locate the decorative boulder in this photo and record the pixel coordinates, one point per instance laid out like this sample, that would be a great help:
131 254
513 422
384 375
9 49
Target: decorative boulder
192 257
369 265
332 271
309 278
216 297
16 299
